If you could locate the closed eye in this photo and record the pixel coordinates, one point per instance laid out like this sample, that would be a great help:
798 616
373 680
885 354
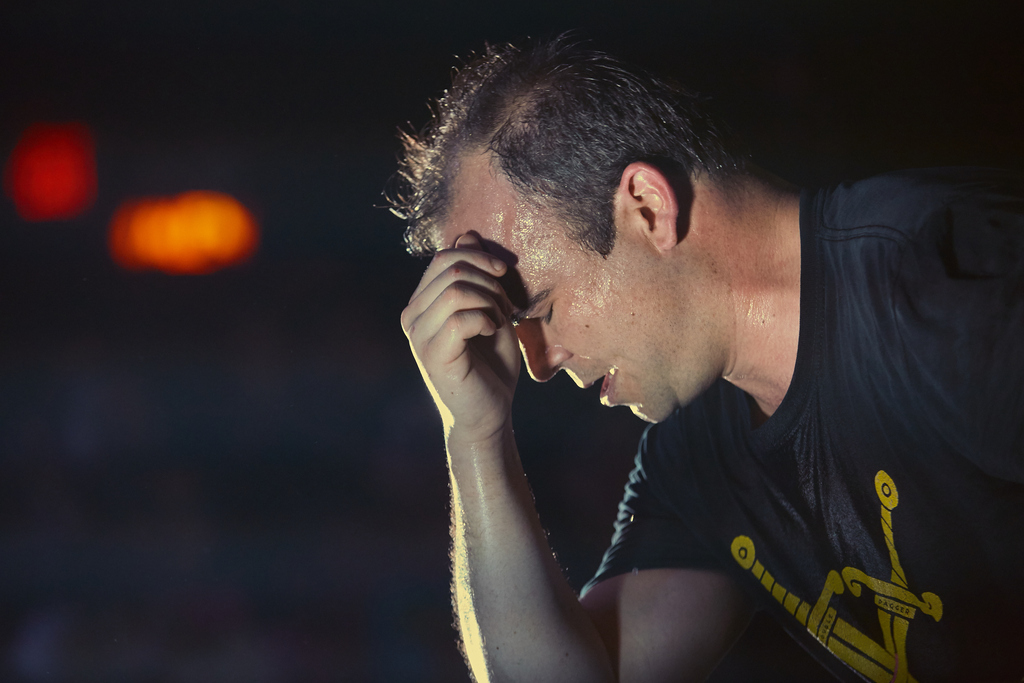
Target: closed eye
517 318
534 301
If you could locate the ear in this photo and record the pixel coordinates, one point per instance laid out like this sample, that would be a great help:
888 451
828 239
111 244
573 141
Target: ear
646 205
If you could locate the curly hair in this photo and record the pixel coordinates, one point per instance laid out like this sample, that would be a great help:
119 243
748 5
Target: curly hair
562 122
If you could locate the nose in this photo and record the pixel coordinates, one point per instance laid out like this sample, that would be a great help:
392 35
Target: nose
543 359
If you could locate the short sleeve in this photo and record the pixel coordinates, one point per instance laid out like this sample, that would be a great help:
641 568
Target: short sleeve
647 534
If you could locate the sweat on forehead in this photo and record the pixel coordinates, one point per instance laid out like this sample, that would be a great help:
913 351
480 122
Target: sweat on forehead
531 240
481 190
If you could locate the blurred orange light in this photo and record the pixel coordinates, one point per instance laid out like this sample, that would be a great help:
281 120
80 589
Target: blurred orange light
193 233
51 174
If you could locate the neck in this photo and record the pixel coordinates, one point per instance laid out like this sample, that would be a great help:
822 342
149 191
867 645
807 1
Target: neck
760 247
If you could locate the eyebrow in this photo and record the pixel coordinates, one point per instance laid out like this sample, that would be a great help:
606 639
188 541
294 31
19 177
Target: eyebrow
531 303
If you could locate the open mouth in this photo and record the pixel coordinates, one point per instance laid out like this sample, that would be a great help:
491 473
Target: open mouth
607 397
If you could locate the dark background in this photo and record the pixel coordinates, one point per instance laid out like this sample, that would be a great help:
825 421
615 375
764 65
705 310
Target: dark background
238 476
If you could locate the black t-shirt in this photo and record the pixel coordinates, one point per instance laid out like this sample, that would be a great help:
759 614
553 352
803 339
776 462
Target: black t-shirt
879 513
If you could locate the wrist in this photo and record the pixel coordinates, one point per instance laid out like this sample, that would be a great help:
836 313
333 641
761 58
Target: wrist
483 468
477 444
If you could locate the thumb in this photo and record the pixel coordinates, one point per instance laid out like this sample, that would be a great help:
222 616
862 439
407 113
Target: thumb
468 239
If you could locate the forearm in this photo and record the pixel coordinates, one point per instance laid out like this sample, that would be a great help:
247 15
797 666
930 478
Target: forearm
520 620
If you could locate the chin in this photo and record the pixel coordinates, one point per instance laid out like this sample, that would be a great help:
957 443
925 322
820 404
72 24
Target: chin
646 415
654 409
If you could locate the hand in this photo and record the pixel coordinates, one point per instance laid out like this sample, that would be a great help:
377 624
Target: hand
458 327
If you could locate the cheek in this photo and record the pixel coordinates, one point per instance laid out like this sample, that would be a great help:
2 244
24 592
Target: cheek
594 297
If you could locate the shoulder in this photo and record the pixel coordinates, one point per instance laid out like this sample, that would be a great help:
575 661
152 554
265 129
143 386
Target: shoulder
926 236
907 203
948 300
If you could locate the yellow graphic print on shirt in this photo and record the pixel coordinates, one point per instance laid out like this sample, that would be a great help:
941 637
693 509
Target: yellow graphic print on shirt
884 662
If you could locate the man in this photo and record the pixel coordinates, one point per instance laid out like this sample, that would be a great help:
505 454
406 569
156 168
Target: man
836 378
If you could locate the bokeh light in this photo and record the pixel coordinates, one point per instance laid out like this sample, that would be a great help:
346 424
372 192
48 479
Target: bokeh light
190 234
51 174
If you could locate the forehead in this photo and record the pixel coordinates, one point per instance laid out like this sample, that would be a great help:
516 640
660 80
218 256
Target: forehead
545 262
518 231
481 199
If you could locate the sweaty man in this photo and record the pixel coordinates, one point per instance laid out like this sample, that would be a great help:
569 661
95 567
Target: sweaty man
836 378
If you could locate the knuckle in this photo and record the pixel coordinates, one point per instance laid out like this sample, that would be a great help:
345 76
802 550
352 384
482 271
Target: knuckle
437 262
453 294
454 323
446 255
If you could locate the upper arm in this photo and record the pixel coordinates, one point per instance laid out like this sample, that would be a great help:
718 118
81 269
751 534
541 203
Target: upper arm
667 624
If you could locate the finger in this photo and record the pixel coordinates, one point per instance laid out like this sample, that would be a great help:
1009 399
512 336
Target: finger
457 272
507 343
452 339
446 257
469 240
458 296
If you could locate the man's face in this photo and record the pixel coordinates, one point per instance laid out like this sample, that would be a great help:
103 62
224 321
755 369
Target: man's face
605 321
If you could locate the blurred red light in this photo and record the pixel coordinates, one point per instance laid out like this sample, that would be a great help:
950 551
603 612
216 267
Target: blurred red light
191 234
51 174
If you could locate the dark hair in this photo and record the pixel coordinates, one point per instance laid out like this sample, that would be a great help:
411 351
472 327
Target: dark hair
563 122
